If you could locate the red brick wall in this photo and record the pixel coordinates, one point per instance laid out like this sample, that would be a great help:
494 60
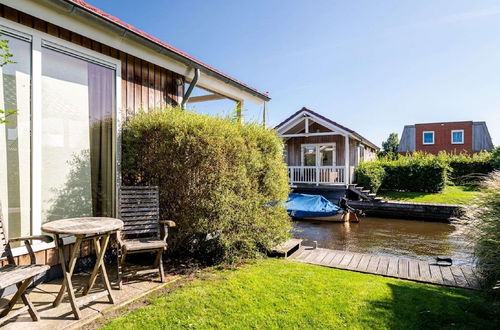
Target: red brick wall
442 137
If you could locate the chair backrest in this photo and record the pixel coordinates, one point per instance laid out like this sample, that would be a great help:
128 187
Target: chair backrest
3 234
140 210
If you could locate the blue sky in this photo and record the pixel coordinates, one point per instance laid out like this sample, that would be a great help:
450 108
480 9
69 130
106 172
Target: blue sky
373 66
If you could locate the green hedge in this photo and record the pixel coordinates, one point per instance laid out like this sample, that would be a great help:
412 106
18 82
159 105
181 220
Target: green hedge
216 178
420 172
370 175
417 173
467 169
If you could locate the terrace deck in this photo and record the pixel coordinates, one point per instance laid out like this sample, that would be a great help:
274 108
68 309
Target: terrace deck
408 269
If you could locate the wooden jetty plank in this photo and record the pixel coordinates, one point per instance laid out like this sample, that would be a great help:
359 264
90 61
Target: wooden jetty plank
425 272
346 260
304 254
383 265
373 264
436 275
393 267
337 259
296 255
459 277
471 277
311 256
320 255
363 264
403 268
329 257
356 258
447 276
413 272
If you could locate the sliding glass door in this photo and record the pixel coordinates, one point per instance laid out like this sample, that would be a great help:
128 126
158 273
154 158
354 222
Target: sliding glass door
15 140
78 101
58 152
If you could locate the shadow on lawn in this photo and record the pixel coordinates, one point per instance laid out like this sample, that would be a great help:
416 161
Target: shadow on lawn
414 306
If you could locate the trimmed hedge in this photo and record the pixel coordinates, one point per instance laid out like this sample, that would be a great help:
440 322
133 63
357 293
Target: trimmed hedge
216 178
420 172
468 169
370 175
416 173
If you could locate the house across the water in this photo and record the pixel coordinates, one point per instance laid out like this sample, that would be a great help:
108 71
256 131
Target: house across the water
320 151
452 137
77 74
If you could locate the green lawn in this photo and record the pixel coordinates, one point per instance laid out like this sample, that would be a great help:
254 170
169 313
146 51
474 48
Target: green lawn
450 195
276 293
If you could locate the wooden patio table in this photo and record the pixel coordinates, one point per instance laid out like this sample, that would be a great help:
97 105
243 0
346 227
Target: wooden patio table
97 229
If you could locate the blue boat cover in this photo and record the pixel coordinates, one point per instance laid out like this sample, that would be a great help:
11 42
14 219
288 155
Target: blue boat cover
310 206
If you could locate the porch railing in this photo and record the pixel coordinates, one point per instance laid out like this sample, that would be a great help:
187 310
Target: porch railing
317 174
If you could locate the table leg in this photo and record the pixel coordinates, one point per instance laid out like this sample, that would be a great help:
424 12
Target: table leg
99 266
68 273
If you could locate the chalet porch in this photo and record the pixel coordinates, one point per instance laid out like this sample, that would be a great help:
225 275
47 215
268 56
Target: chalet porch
319 151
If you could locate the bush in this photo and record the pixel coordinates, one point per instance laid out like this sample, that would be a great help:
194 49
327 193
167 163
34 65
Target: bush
419 172
370 175
495 158
483 223
468 169
216 178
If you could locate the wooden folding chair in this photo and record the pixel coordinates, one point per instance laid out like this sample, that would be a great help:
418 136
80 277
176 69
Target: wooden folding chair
21 276
140 213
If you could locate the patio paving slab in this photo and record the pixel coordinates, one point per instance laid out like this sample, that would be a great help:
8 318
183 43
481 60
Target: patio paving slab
62 317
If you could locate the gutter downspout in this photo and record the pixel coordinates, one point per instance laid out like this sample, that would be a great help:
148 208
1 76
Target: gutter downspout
185 99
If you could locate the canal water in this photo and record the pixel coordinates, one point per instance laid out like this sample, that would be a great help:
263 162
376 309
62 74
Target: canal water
389 237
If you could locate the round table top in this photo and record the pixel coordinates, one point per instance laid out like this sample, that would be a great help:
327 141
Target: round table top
83 226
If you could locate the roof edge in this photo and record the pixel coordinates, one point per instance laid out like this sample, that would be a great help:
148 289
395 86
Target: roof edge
180 55
350 131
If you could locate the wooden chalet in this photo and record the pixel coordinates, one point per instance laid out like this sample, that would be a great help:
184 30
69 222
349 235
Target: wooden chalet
320 151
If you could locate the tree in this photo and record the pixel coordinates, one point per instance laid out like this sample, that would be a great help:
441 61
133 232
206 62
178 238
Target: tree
391 144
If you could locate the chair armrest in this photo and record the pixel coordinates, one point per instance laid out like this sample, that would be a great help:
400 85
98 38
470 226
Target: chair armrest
26 239
168 223
43 238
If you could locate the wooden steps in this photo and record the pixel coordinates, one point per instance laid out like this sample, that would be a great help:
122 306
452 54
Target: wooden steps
287 248
403 268
363 193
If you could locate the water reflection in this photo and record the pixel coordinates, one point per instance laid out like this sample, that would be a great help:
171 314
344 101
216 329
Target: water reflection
389 237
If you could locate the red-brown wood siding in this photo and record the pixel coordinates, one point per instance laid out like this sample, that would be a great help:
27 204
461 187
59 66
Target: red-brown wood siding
144 85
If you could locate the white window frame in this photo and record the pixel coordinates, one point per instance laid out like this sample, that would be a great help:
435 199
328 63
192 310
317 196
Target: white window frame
317 145
433 138
458 131
39 39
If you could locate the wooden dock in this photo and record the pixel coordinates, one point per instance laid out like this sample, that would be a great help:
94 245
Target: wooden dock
408 269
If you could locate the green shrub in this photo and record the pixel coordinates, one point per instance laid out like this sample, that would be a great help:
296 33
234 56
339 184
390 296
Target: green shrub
216 179
483 223
468 169
495 158
419 172
370 175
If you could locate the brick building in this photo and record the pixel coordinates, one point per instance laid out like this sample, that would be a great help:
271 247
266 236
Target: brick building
452 137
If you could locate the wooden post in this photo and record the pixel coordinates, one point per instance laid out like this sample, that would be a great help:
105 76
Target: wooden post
347 176
239 111
264 115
